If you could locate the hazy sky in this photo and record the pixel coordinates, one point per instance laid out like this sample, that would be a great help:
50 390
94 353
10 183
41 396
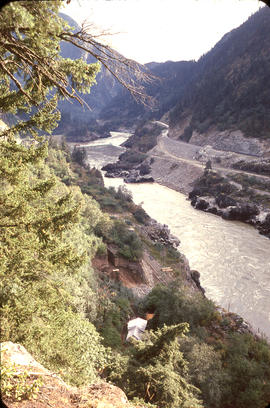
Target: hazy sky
161 30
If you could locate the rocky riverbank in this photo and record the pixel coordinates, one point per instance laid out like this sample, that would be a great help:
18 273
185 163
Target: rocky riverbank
152 156
218 195
134 165
160 262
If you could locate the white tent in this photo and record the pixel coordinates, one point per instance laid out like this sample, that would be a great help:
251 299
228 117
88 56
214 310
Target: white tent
136 328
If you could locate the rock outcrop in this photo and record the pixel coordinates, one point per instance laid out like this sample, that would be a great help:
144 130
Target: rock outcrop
53 391
133 165
195 275
134 176
261 166
227 208
217 195
161 234
263 224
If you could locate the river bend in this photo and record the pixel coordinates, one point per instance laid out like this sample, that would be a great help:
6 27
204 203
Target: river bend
232 258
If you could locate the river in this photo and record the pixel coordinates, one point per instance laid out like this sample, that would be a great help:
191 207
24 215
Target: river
232 258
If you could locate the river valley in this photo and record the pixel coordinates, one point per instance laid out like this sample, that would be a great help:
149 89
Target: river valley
232 258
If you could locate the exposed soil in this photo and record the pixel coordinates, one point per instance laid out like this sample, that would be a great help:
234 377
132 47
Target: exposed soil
130 274
142 276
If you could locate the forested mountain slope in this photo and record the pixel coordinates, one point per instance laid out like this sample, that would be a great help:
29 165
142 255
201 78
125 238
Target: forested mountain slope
80 121
113 104
105 88
231 87
169 80
227 89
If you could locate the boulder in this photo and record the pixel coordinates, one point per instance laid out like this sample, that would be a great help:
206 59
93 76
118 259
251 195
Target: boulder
161 233
241 212
54 392
201 204
264 226
135 177
196 278
213 210
224 201
13 353
197 192
144 169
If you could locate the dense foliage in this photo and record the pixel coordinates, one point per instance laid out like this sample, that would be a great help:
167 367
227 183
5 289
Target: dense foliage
231 369
156 370
32 72
47 283
47 229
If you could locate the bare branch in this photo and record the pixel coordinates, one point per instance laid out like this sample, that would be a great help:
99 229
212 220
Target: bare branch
130 74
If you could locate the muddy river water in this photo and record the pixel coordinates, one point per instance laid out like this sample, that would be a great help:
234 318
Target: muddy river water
232 258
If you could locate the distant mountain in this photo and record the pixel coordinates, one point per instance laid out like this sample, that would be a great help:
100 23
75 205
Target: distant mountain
231 87
112 106
228 89
169 80
77 119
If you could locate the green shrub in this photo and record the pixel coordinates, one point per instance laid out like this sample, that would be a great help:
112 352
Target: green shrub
248 368
123 194
156 371
17 386
128 242
205 370
141 216
173 305
102 249
79 155
111 336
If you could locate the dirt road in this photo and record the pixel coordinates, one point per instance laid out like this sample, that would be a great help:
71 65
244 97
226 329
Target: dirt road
178 152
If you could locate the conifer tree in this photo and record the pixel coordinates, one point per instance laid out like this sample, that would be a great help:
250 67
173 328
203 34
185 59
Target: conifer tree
157 371
33 75
37 212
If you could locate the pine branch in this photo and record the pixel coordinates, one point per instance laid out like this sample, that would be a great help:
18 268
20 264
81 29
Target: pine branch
18 84
117 65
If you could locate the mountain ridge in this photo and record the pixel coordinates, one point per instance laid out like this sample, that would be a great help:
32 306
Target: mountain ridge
225 90
229 90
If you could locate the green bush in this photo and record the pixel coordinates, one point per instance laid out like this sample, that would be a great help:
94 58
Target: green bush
141 216
156 371
114 312
79 155
18 386
205 370
111 336
172 305
248 368
128 242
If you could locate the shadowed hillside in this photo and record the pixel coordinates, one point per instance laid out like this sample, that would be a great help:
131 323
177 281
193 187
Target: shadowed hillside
231 87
